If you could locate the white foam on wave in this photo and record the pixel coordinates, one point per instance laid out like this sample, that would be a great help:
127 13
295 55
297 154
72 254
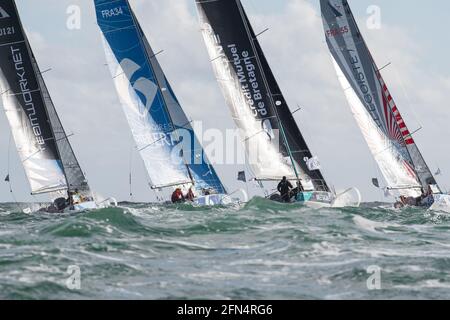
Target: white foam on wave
183 243
281 263
372 226
326 249
141 212
428 284
402 252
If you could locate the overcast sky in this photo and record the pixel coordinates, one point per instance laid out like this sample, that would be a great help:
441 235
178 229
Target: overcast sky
413 36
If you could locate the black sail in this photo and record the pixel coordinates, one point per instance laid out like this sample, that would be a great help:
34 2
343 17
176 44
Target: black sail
249 86
41 141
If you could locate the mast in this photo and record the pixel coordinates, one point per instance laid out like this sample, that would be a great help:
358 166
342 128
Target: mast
286 142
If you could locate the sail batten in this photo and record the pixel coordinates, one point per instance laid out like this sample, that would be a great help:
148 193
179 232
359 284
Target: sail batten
164 136
268 128
374 108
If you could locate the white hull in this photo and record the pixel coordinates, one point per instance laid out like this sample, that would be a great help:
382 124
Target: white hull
85 206
441 203
213 200
91 205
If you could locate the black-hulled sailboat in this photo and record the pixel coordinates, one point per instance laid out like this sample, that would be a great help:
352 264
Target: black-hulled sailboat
273 142
392 144
47 156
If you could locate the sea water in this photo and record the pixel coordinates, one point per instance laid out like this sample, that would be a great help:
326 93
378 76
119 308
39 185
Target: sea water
263 250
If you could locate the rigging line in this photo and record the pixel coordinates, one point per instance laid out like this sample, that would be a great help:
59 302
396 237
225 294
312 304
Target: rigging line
9 175
407 98
131 173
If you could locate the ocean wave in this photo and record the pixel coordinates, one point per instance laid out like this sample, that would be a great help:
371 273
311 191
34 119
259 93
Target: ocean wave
261 249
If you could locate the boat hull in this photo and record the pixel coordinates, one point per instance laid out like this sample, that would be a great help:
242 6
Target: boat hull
320 199
315 200
439 202
85 206
213 200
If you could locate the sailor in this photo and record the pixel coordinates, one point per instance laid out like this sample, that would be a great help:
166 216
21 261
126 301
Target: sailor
190 196
76 197
402 202
284 188
177 196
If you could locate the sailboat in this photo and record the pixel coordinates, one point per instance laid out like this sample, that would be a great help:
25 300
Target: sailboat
48 158
392 144
164 136
274 145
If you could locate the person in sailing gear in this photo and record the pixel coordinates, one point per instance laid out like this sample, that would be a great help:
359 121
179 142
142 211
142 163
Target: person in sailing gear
190 196
75 197
177 196
284 188
426 199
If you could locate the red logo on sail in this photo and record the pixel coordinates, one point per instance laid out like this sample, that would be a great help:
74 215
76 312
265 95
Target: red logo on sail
337 31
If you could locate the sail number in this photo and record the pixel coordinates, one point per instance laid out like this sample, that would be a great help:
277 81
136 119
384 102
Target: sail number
7 31
112 12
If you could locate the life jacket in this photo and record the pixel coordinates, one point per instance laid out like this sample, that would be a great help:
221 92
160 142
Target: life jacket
177 196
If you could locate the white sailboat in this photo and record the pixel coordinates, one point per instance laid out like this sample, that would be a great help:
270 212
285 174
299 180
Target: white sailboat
407 175
164 136
272 140
43 146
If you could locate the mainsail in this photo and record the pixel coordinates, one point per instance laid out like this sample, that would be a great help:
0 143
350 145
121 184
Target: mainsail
164 136
49 161
273 142
384 129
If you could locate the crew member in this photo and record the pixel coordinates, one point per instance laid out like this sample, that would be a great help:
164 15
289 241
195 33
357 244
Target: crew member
76 197
177 196
190 196
284 188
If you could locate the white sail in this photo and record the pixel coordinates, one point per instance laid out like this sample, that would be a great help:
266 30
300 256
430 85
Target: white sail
26 108
273 142
384 129
43 173
397 172
164 167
